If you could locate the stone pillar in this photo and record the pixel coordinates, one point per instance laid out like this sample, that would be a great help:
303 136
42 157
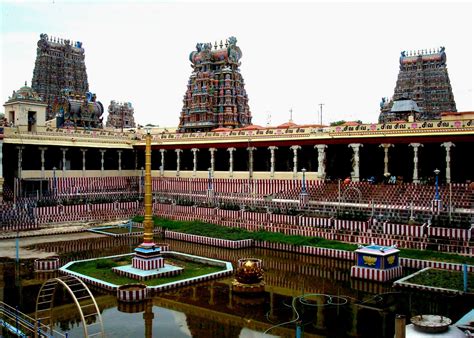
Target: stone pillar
102 152
415 146
321 160
42 149
119 152
64 150
295 160
447 146
162 167
251 150
20 160
212 151
194 150
178 161
355 161
272 160
231 161
385 147
1 178
83 161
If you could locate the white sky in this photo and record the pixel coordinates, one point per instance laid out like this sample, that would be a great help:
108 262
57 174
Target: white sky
295 55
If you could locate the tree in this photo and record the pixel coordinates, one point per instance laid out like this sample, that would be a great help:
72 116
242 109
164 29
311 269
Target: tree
341 122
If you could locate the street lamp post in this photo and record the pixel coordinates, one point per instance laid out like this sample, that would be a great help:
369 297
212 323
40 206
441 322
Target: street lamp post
303 187
210 189
209 186
304 198
54 182
436 171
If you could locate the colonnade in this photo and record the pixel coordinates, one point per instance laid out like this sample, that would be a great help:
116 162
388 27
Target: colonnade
321 159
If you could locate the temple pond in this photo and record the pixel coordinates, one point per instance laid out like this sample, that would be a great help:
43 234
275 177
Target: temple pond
329 303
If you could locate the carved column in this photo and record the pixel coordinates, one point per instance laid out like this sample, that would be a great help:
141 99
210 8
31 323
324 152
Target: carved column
42 149
1 174
231 161
119 152
102 152
194 150
83 161
447 146
162 167
295 160
321 160
385 147
178 161
415 146
212 151
272 160
64 150
356 161
251 150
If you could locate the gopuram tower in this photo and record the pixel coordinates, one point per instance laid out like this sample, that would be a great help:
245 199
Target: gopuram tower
215 95
423 78
60 79
120 115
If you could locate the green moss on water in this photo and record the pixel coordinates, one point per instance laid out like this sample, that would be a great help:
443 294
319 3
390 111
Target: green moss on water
102 269
232 233
443 279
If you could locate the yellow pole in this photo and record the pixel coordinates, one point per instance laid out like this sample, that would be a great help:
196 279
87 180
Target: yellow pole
148 221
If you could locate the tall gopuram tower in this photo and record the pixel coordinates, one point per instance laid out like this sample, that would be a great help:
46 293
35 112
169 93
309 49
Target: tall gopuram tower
423 78
215 95
59 68
120 115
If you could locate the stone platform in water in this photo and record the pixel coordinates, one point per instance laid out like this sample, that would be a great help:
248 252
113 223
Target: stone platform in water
131 272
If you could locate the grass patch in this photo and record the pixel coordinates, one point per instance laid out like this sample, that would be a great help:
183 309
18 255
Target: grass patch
443 279
430 255
102 269
120 230
218 231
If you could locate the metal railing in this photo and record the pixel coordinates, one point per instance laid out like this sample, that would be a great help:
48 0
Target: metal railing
22 325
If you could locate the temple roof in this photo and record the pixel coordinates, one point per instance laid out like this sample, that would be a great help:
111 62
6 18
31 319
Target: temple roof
25 93
289 124
404 106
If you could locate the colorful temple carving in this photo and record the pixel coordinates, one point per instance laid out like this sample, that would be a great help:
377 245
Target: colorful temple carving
60 79
120 115
215 95
423 79
74 110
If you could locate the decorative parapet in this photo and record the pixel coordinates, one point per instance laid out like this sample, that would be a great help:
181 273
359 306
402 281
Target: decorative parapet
419 128
72 137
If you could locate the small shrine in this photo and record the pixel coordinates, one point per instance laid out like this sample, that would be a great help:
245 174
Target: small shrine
377 262
249 276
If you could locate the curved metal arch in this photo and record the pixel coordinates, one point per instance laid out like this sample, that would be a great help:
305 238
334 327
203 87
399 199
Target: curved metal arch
74 286
350 189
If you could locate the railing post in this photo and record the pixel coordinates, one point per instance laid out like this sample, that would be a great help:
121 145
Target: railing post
400 326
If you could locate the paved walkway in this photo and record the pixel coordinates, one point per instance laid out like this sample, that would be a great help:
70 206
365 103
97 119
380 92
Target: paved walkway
50 233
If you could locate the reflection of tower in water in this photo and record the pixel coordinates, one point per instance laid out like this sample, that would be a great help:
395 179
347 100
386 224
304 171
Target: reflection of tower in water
148 318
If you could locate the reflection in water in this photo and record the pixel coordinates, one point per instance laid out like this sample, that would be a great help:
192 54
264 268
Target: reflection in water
212 310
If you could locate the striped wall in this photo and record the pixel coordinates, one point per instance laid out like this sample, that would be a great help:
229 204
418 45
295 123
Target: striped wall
317 251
